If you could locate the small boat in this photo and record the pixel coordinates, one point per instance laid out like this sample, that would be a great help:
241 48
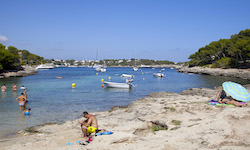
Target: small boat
59 77
44 67
158 74
128 75
99 68
117 85
103 69
135 68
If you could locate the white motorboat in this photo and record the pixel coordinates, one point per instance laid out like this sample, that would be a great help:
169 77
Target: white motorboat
103 69
44 67
99 68
128 75
158 74
135 68
117 85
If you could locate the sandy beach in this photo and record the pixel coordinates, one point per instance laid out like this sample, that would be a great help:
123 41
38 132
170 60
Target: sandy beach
190 121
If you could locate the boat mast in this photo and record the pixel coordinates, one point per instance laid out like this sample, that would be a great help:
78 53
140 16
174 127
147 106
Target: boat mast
97 52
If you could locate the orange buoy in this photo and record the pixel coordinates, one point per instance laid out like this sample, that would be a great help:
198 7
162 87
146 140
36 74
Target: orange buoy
102 85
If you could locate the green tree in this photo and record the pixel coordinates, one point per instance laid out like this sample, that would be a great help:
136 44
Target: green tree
229 52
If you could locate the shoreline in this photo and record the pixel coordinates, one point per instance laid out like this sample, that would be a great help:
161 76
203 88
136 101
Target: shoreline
188 117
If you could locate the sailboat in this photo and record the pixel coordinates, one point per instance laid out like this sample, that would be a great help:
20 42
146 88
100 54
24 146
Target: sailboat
98 67
135 68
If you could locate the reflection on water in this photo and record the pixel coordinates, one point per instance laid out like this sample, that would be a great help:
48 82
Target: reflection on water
118 89
14 94
3 95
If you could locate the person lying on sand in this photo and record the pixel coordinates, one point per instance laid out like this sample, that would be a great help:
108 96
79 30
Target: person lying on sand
221 97
88 126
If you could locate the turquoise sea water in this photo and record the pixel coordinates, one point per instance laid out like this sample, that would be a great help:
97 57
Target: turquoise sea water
54 100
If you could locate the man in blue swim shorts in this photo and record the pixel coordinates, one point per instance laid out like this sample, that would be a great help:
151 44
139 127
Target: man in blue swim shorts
88 126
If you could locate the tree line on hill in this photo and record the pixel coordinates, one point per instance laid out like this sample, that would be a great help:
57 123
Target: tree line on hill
11 58
225 53
110 62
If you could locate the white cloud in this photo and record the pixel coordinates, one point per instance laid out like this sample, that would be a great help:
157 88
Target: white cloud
3 38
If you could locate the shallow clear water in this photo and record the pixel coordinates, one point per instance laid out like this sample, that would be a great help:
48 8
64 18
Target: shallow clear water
54 100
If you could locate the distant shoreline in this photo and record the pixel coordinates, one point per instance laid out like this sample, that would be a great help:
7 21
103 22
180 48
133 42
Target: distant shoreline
237 73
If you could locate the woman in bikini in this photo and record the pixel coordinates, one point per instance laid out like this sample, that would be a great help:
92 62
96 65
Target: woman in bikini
222 98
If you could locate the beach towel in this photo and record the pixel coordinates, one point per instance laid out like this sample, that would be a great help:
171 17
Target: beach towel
213 102
104 132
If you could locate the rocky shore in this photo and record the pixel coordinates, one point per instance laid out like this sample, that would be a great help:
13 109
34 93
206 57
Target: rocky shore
27 70
238 73
159 121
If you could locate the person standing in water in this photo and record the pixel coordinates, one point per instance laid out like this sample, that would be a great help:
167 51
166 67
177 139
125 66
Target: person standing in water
24 93
22 101
14 87
3 88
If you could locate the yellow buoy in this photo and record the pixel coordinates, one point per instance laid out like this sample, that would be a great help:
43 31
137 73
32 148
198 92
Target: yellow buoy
109 78
102 80
73 85
143 79
121 75
96 73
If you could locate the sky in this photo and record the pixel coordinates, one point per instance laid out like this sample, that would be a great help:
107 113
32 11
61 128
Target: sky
119 29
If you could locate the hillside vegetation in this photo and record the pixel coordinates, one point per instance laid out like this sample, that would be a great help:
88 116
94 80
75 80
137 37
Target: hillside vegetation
10 58
225 53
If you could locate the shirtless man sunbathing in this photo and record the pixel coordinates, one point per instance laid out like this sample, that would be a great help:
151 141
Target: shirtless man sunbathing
88 126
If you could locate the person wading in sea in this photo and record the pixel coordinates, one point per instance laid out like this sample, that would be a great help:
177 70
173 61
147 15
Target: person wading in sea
22 101
14 87
3 88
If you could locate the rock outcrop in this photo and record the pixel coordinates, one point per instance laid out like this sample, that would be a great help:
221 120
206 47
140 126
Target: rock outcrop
27 70
238 73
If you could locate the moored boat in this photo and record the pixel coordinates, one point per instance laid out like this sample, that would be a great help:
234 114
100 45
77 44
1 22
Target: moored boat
44 67
128 75
117 85
99 68
135 68
158 74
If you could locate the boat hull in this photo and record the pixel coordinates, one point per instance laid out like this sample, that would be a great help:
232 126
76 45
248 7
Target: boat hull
158 75
117 85
44 67
127 75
